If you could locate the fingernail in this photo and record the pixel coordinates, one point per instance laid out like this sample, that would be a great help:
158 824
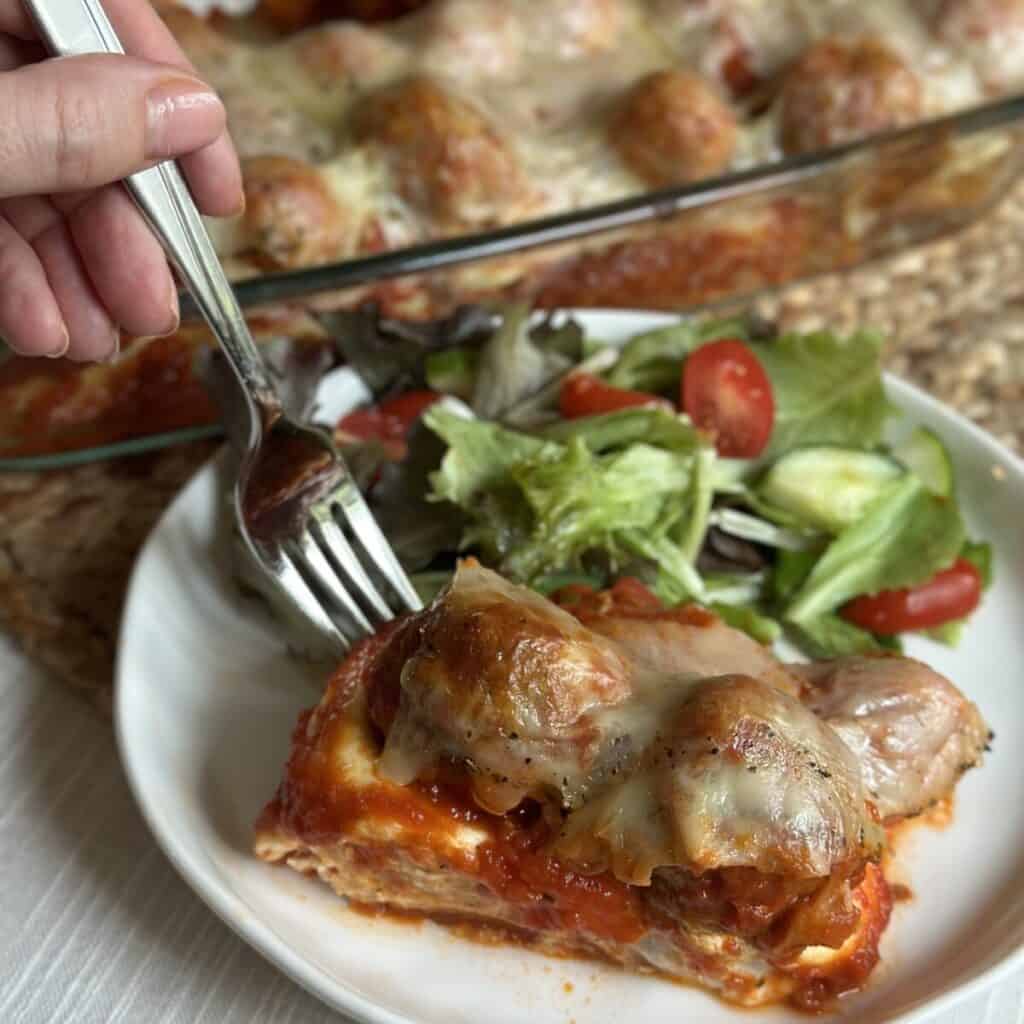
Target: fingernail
182 115
115 346
173 315
62 349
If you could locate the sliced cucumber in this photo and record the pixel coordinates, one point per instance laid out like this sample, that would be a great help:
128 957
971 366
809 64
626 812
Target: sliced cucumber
924 454
827 487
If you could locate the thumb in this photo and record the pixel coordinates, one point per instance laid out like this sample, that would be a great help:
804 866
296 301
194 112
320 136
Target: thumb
80 122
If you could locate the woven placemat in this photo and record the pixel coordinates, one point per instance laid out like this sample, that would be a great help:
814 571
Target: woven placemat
68 541
953 311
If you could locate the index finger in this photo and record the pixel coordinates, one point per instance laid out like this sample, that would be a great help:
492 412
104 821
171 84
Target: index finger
213 173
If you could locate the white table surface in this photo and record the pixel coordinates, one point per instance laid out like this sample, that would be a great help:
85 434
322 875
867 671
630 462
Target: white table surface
96 927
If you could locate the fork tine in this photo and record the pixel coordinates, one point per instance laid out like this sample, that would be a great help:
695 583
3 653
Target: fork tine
308 553
338 548
282 575
369 534
286 577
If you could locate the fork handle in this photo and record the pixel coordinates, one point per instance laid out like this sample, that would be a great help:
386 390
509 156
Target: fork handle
163 197
75 27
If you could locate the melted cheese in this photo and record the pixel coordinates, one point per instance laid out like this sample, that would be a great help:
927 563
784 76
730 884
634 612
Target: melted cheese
650 768
546 74
351 753
738 774
512 686
913 732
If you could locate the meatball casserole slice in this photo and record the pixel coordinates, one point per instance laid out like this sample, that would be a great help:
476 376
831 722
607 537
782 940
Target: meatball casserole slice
649 788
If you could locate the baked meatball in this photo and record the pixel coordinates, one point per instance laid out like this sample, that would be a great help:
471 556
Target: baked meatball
467 38
206 47
263 117
291 219
740 44
584 26
449 160
673 128
841 90
347 52
991 34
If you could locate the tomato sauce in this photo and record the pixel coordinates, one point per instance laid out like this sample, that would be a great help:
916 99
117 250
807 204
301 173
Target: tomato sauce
515 867
317 803
695 260
51 406
627 598
48 407
819 987
326 796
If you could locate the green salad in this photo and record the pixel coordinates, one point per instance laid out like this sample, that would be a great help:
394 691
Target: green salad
716 461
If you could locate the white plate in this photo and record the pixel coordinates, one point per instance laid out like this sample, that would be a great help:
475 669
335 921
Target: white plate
206 700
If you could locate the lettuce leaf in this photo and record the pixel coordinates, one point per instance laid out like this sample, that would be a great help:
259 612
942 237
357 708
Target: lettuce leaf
535 506
553 581
948 634
479 454
828 390
389 354
582 502
829 636
419 530
512 367
906 536
453 371
980 555
564 335
620 429
677 580
762 628
694 527
653 361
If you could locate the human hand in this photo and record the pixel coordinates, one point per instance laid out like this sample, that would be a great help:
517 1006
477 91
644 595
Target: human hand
77 262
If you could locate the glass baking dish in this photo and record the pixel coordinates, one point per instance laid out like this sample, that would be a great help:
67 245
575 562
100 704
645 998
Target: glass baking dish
688 246
676 249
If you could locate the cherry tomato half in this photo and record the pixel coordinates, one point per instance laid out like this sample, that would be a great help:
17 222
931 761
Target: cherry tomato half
727 393
585 394
389 421
947 596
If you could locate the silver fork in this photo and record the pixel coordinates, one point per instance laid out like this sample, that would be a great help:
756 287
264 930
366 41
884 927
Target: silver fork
298 509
